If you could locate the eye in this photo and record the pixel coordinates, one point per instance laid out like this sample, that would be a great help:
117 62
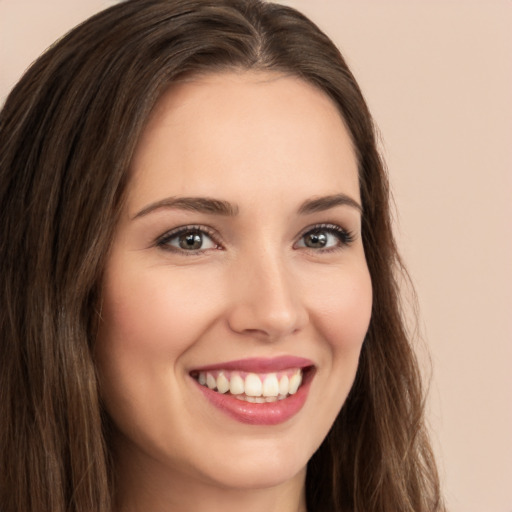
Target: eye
325 237
191 239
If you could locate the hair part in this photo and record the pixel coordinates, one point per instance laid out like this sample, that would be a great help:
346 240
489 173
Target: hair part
68 132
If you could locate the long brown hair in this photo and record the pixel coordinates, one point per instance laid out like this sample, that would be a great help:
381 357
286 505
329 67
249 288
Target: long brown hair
67 135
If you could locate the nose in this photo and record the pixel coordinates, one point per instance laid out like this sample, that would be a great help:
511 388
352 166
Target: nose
266 300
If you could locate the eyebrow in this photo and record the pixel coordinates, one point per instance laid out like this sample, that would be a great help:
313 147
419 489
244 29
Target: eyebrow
195 204
220 207
321 204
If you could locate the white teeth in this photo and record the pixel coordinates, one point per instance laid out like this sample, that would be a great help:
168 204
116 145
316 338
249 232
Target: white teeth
236 385
253 385
254 388
222 383
295 382
271 385
210 381
283 385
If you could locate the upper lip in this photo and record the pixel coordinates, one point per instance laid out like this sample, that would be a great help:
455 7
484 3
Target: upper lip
259 364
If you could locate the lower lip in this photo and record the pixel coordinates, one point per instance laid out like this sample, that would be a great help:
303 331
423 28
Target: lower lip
268 413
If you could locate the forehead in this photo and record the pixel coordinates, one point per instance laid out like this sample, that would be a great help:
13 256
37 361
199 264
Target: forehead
238 131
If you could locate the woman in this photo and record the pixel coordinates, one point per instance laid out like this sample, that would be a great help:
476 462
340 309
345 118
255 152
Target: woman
200 309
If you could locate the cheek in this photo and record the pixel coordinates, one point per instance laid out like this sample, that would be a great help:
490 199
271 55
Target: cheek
343 316
153 316
343 309
148 323
343 303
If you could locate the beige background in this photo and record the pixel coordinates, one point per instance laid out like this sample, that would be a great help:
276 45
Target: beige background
437 76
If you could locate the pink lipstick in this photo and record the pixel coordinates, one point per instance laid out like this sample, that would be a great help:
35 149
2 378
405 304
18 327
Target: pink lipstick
257 391
260 364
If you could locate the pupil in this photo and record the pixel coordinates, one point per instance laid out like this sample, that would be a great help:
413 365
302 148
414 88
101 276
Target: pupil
191 241
316 240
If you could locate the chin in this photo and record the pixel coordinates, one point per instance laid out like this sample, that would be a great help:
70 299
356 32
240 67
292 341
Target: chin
261 466
262 476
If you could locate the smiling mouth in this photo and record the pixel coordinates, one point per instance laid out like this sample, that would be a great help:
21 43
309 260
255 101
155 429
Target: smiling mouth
253 387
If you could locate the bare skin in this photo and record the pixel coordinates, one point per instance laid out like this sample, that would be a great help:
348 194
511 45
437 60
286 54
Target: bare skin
277 270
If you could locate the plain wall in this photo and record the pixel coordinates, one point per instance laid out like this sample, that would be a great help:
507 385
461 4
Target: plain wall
438 78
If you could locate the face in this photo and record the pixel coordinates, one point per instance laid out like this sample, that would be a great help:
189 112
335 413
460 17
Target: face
236 294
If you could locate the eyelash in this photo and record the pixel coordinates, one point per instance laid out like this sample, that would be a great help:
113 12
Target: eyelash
344 236
163 241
